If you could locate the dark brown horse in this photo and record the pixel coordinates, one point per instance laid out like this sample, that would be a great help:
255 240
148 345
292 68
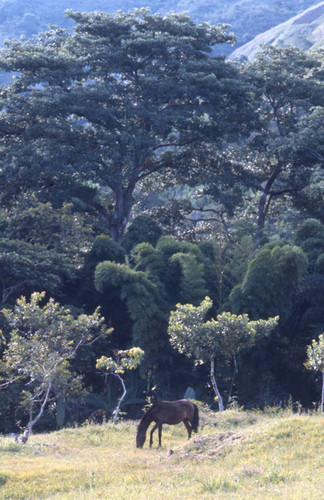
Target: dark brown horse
168 412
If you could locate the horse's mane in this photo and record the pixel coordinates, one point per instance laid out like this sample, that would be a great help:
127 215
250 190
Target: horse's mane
145 420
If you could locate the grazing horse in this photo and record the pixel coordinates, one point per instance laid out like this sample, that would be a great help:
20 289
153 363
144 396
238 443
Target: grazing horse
168 412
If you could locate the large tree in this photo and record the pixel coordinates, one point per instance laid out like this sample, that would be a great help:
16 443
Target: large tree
290 143
281 162
121 98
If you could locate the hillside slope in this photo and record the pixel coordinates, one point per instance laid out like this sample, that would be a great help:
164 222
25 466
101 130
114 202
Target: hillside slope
235 455
246 17
306 31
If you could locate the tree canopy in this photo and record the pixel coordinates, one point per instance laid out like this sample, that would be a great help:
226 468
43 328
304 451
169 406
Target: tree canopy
121 98
224 336
43 341
141 173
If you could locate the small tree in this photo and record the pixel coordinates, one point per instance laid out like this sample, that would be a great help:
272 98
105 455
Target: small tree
42 342
315 361
124 360
203 340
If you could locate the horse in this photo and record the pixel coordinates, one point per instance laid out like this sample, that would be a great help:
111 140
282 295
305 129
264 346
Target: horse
167 412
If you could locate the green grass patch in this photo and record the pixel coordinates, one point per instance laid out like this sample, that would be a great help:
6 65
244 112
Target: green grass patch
236 454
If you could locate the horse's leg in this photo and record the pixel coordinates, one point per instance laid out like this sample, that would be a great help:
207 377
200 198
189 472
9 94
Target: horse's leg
151 434
160 435
188 427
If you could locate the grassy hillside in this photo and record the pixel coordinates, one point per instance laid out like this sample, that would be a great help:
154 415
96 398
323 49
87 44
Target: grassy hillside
242 455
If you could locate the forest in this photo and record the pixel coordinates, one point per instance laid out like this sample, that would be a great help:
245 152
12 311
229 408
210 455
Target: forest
162 221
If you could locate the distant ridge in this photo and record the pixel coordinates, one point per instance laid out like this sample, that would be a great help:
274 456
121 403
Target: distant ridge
246 18
306 31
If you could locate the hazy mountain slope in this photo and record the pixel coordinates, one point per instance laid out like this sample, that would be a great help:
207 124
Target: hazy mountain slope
247 17
305 31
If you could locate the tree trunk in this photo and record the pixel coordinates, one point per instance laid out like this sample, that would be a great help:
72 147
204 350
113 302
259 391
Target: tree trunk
232 381
32 422
264 202
121 398
120 216
214 385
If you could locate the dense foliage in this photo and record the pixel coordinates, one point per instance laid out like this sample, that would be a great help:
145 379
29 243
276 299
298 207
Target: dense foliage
140 175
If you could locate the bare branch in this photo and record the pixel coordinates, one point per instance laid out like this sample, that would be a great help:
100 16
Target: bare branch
6 384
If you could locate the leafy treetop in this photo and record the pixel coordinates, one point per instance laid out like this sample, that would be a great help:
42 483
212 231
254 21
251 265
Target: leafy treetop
121 98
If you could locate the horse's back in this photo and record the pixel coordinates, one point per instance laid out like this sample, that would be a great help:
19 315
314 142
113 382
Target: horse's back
178 402
173 412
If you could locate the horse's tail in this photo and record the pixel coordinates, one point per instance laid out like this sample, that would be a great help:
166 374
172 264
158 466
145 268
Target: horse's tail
195 419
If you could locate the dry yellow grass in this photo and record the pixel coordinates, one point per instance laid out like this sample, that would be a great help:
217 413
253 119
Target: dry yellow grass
237 455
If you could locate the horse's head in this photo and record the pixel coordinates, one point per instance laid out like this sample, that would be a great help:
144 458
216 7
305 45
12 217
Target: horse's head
140 438
195 428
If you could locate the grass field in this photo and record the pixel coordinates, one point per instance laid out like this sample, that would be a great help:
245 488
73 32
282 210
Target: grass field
235 455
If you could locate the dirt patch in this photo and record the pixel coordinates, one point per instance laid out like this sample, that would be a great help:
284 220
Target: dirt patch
203 447
225 441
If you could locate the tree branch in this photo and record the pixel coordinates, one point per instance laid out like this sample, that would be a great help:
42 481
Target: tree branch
6 384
